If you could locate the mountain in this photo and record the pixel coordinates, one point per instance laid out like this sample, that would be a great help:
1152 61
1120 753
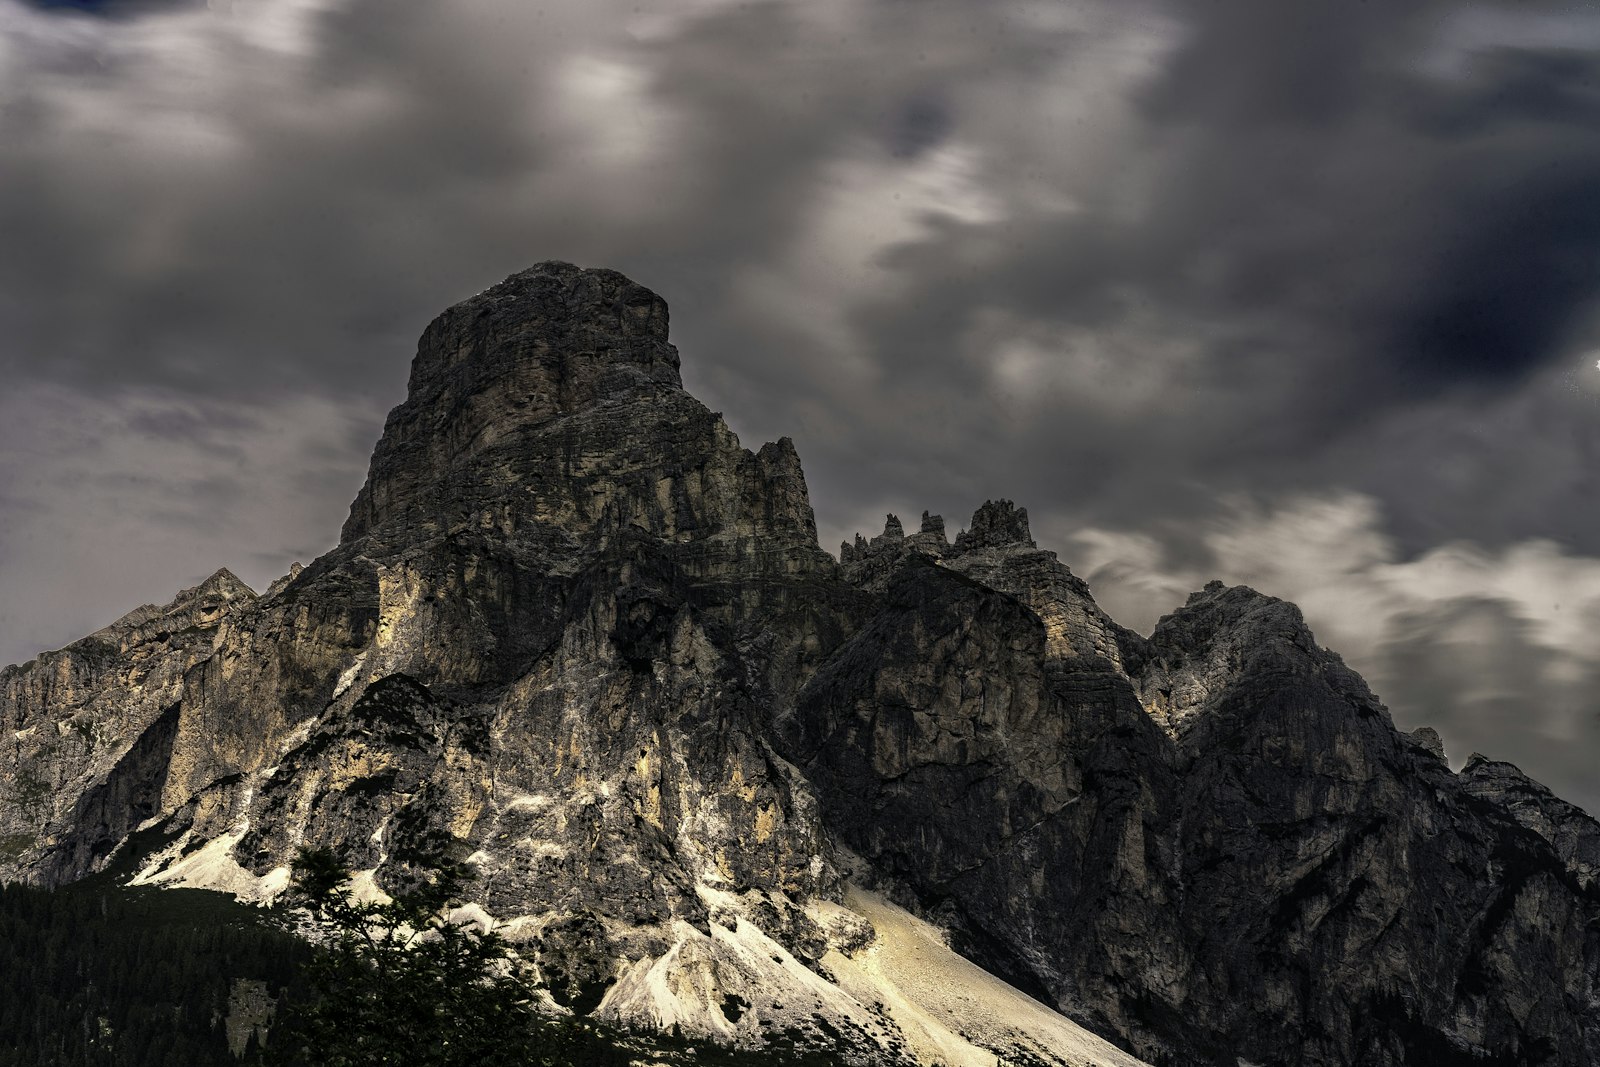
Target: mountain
925 803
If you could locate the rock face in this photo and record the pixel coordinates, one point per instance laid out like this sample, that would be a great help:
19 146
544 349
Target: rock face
576 634
1573 834
1347 899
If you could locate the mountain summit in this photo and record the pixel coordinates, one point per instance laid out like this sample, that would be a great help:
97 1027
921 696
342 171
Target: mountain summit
924 804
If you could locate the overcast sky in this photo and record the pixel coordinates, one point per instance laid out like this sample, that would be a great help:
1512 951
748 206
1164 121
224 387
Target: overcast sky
1305 296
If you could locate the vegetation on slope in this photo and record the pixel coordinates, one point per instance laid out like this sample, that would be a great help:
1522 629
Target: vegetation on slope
104 975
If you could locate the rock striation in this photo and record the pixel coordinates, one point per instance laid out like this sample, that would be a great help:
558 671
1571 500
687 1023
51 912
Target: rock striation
577 635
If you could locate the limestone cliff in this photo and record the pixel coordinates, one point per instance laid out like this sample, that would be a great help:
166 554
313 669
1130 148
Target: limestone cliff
575 633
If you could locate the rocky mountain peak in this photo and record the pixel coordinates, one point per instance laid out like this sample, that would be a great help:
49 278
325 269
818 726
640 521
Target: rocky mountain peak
1198 655
549 343
869 563
191 609
1429 740
1219 608
572 324
1570 831
224 585
997 524
547 413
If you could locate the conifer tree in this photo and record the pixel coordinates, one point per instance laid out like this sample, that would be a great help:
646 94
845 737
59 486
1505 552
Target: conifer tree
399 983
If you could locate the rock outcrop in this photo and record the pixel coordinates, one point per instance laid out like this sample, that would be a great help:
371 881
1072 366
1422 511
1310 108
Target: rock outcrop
1346 899
1567 828
577 635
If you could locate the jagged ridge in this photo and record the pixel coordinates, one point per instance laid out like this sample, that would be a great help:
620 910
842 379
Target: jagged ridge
575 632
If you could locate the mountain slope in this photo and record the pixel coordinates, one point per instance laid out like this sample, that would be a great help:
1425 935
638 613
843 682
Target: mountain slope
575 633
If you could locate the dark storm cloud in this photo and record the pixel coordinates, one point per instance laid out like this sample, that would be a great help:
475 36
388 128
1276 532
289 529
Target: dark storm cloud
771 95
107 8
1300 187
305 250
1496 468
1540 87
1335 253
921 121
1494 256
772 99
1312 62
402 168
1501 298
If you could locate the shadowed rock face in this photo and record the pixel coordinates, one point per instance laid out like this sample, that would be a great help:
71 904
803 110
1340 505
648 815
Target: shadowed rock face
575 632
1002 786
1347 899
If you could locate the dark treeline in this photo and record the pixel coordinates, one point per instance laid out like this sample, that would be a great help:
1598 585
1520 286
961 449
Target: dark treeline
115 977
102 975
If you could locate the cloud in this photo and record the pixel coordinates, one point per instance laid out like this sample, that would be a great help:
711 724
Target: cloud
1094 264
123 502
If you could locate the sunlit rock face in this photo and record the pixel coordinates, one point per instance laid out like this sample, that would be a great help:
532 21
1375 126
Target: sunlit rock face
576 634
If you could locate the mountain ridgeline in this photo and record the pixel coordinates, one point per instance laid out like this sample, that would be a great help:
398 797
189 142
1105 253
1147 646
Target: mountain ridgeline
712 778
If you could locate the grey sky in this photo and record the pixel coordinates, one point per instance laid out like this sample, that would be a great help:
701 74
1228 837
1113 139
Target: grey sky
1201 284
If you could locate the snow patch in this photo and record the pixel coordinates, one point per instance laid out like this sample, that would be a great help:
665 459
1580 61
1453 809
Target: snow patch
717 899
737 986
472 914
521 928
211 866
297 737
274 882
348 678
902 988
951 1010
364 887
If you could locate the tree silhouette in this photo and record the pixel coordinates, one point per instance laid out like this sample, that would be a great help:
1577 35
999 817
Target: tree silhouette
398 982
